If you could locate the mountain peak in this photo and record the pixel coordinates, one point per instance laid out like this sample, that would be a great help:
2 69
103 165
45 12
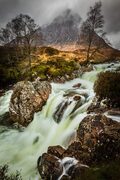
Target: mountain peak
63 29
68 16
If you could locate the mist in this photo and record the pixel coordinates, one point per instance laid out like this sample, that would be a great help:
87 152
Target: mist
44 11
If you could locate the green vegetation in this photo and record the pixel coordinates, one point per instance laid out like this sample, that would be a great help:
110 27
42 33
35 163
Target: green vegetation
4 175
108 87
54 68
18 70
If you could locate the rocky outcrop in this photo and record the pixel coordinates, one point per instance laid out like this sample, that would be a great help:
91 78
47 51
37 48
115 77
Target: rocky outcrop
70 97
56 151
52 165
98 107
49 167
66 77
28 98
101 136
98 142
78 152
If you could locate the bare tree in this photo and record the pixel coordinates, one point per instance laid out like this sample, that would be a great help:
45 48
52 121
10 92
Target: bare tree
25 29
92 30
21 33
5 39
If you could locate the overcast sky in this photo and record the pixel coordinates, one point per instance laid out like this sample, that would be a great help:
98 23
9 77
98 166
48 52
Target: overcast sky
44 11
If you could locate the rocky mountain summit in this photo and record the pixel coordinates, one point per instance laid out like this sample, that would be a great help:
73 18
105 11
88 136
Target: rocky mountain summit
63 30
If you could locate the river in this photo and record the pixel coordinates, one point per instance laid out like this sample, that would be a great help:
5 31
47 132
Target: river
67 105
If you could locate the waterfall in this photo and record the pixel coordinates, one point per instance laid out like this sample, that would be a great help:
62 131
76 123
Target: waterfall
54 125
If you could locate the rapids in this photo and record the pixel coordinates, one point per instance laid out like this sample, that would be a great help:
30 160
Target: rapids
20 150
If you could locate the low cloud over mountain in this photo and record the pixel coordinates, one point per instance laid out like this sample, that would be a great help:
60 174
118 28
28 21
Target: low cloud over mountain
44 11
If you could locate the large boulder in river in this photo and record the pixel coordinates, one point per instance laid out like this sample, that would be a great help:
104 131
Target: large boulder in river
28 98
101 136
52 165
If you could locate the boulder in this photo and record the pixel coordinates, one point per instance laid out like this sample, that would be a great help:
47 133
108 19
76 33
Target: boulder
77 85
101 136
98 107
49 167
52 167
56 151
78 152
77 171
28 98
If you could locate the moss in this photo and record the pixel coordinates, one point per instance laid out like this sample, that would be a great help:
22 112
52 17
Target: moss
42 68
53 68
42 76
54 72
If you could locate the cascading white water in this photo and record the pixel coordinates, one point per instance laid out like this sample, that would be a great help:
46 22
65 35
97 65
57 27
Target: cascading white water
21 150
67 163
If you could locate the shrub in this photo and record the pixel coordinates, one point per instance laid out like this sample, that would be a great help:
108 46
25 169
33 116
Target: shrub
107 171
54 72
49 51
107 87
4 175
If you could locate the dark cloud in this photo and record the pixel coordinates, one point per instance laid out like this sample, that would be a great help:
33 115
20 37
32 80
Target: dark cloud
7 9
44 11
112 14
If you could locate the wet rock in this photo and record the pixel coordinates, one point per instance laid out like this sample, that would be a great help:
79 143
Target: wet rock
5 120
77 98
101 136
6 123
65 177
2 92
60 110
77 171
114 112
49 167
78 151
78 104
71 94
28 98
56 151
97 106
77 85
87 68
